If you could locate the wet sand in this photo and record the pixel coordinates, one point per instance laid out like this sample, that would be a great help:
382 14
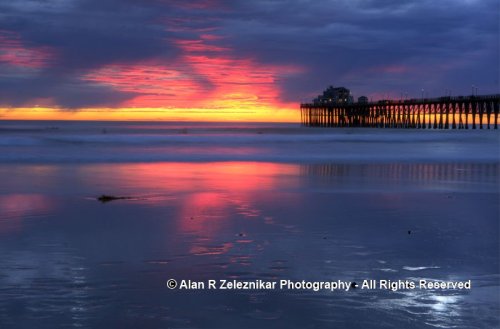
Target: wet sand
67 259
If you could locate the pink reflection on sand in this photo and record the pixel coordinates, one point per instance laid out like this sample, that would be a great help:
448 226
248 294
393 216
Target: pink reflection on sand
233 178
14 208
202 212
208 197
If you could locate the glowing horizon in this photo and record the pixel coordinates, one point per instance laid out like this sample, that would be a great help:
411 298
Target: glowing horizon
213 60
151 114
203 84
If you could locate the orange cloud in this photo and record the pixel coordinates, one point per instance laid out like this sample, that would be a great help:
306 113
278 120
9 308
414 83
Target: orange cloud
205 76
157 85
206 82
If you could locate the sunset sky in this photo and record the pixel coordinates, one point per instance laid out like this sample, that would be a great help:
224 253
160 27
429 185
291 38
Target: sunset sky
235 59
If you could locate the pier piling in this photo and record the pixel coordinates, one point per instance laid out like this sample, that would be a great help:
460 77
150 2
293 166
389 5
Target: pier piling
479 111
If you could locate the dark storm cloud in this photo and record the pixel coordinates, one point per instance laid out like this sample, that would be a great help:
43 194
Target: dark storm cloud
83 35
90 33
62 92
375 46
371 46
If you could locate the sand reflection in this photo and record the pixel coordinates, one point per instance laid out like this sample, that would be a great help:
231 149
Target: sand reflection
209 202
435 308
15 208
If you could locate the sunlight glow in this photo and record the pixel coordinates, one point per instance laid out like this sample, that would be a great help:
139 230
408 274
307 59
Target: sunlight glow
204 83
258 114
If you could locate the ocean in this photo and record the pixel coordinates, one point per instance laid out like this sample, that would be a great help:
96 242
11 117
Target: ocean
352 221
87 142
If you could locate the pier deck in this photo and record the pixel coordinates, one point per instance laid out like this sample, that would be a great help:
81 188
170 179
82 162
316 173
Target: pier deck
436 113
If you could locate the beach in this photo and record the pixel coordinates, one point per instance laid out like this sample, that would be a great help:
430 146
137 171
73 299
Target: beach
244 202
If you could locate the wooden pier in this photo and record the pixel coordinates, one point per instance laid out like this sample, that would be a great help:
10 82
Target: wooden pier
436 113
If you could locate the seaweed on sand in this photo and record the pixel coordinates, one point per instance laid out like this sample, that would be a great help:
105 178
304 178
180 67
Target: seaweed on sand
107 198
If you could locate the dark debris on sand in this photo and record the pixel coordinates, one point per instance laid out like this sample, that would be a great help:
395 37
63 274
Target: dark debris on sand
107 198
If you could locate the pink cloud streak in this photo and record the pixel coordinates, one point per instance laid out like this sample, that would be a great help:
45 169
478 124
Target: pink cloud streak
15 53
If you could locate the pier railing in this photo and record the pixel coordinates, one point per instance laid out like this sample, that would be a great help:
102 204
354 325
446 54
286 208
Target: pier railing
459 112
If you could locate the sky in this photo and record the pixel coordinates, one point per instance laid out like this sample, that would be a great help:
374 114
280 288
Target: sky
236 60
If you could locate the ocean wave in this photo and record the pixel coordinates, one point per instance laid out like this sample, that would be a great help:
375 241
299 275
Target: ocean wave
20 141
234 138
104 155
419 268
129 142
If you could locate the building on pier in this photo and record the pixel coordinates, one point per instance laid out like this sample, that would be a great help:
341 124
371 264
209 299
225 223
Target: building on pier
332 95
363 100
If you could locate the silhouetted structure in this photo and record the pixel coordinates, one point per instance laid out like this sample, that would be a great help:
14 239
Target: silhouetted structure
338 95
363 99
436 113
